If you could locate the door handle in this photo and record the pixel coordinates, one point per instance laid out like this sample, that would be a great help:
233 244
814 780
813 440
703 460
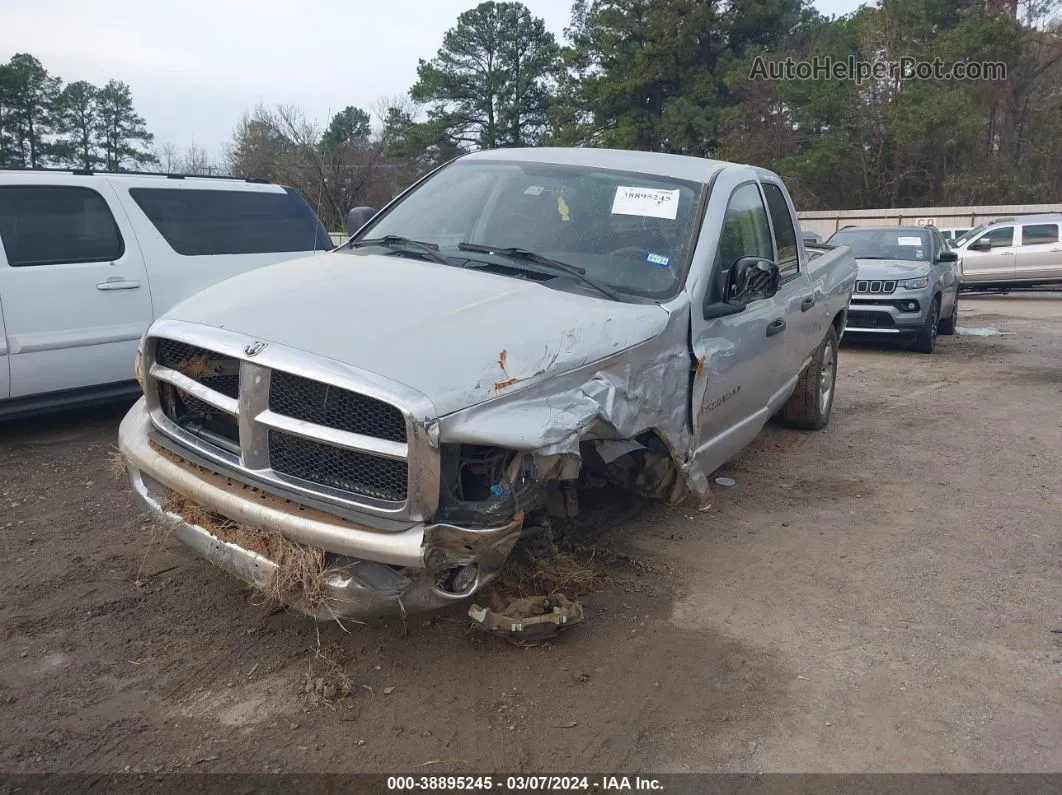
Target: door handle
118 284
1006 252
807 303
775 327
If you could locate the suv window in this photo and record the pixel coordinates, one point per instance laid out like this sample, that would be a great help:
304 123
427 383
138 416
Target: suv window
1038 234
1001 237
784 233
52 224
203 222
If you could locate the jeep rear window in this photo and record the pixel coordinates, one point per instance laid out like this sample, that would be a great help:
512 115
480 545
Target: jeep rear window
203 222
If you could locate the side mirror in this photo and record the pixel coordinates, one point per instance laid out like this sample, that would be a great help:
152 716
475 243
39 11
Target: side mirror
984 244
358 217
948 256
752 279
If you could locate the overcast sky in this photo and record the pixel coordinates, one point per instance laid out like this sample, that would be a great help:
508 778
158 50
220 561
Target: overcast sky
194 66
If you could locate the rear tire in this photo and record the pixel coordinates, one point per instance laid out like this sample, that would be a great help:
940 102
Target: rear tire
948 325
810 405
926 342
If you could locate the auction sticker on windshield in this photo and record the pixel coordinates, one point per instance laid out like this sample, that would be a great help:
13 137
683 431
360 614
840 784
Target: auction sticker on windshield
646 202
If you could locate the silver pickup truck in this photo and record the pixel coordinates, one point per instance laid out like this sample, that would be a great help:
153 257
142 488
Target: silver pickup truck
373 429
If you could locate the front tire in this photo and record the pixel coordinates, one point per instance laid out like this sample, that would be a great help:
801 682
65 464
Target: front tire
810 405
926 342
947 325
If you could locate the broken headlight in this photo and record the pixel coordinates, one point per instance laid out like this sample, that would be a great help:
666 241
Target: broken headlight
484 485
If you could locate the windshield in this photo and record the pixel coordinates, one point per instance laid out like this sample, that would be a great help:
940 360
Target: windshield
870 243
967 235
631 232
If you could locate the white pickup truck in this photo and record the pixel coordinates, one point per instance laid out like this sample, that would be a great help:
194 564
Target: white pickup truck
374 428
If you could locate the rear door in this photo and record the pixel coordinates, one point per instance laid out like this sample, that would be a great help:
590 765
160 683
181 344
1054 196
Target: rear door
805 315
743 359
1038 254
196 233
993 265
75 293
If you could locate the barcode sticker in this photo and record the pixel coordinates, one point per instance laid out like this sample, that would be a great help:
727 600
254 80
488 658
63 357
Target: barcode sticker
646 202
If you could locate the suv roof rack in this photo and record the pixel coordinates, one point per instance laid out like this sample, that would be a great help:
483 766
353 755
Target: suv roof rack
87 172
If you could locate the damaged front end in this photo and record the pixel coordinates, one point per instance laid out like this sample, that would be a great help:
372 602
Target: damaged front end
314 561
479 478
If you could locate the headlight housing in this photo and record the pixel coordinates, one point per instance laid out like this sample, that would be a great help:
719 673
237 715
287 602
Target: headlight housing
917 283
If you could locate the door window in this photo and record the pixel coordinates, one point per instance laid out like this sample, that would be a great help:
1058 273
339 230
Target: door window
784 233
1001 237
51 224
204 222
745 229
1039 234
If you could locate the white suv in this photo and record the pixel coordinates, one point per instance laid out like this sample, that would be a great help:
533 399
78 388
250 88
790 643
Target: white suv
89 260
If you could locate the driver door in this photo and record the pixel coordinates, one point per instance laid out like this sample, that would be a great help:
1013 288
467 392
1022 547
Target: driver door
994 265
742 359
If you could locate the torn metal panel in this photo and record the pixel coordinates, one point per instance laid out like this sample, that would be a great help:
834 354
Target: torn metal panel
618 398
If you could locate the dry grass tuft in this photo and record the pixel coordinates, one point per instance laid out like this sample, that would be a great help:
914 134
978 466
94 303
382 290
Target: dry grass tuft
326 678
533 571
301 571
117 466
197 367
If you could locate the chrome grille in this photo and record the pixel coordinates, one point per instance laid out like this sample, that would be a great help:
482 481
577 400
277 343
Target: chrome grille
876 286
346 470
302 435
332 407
213 425
220 373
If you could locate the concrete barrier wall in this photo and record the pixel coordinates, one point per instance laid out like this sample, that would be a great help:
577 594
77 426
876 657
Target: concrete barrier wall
826 222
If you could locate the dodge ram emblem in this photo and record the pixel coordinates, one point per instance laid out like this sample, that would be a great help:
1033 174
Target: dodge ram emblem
254 348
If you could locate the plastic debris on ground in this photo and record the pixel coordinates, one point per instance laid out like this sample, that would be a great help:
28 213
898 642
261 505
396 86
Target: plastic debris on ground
981 332
530 620
726 482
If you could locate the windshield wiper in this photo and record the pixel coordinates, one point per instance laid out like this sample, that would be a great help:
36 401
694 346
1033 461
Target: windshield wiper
539 259
396 241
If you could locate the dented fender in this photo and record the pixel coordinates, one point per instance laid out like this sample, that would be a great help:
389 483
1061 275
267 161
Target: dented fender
643 388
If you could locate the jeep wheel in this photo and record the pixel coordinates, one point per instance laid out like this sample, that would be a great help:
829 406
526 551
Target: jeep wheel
810 405
926 341
948 324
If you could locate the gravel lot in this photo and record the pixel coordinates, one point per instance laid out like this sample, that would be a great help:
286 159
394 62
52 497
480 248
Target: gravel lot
879 596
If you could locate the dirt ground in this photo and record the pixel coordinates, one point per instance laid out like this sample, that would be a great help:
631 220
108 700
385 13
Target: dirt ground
878 596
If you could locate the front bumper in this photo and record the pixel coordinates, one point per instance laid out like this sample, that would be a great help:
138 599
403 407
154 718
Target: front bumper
886 315
372 572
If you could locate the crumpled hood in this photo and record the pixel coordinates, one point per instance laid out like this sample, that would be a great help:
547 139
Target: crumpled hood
458 336
890 268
